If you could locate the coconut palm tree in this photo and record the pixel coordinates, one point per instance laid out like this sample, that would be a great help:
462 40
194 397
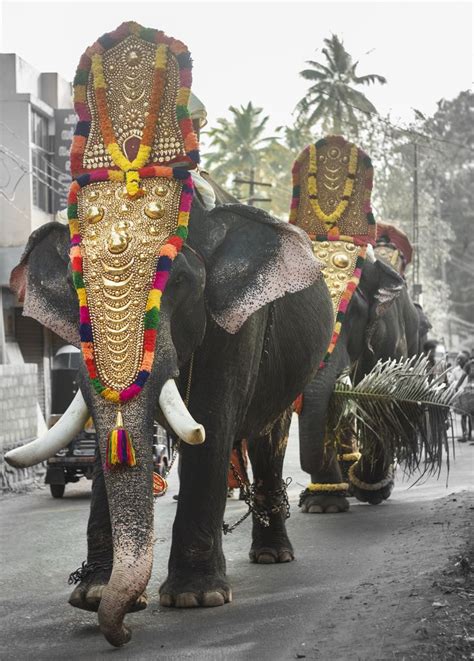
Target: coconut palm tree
332 97
236 144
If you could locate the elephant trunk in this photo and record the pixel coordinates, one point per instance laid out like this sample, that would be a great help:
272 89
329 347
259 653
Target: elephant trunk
313 418
130 576
130 498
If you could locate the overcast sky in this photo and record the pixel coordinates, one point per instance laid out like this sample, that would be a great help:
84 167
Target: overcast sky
254 50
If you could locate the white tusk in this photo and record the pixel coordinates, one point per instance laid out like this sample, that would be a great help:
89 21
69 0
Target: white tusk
178 416
64 431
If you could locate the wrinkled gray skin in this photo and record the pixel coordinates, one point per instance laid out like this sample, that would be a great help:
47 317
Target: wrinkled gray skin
242 386
381 323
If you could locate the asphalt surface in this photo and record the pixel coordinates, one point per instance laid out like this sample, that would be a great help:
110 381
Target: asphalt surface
279 612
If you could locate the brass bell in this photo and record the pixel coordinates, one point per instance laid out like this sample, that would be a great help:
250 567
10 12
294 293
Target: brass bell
154 210
121 193
133 58
118 242
160 190
95 214
341 260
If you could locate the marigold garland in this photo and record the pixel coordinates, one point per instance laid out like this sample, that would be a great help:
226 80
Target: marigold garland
331 218
316 487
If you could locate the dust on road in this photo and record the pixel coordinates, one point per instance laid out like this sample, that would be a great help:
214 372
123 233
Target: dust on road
363 585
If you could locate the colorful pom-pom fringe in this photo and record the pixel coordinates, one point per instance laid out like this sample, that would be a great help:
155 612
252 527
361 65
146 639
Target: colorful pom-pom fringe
120 450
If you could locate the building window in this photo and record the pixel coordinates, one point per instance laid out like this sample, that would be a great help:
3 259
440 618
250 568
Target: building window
41 162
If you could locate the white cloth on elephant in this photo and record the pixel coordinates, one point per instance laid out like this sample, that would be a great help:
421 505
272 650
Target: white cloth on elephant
370 254
204 189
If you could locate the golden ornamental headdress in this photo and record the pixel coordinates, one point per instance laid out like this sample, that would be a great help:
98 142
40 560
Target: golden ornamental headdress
332 184
393 246
129 203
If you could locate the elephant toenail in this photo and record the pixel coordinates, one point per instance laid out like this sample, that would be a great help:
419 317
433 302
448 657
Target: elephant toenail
266 559
186 600
211 599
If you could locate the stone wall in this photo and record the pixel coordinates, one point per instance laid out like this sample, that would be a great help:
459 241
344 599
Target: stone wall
18 422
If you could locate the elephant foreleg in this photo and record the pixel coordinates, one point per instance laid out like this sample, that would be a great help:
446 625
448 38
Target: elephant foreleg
197 569
270 544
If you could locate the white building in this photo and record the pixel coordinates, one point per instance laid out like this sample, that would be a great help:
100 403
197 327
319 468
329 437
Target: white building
36 125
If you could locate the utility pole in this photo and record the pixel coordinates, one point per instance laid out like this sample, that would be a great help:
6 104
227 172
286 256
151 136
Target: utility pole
251 183
417 288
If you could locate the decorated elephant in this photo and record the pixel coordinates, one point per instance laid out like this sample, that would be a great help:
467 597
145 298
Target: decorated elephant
394 248
375 319
215 337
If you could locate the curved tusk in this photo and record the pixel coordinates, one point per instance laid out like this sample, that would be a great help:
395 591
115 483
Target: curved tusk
178 416
68 427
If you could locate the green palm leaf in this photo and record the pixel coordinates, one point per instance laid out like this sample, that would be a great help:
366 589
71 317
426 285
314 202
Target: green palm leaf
331 94
401 411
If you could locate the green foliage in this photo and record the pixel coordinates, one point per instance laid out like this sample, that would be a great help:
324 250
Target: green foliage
400 410
332 99
240 150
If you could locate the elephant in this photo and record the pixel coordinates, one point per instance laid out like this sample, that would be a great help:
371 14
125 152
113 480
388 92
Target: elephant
381 323
374 317
245 320
394 248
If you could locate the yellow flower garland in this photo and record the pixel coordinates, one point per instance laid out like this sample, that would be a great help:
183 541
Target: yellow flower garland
331 218
341 486
132 178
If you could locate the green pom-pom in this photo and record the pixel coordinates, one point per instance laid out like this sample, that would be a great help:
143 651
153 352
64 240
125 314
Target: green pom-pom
182 112
148 34
72 211
98 387
152 318
81 77
182 232
77 280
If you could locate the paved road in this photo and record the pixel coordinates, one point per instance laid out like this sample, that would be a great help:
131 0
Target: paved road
278 613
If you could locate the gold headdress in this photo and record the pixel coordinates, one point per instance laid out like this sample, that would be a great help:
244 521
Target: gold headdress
332 183
129 203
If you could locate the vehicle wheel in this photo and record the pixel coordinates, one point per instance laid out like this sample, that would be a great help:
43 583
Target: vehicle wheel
57 490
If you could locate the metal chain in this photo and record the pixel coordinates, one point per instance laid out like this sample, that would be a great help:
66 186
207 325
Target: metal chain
279 496
86 569
262 515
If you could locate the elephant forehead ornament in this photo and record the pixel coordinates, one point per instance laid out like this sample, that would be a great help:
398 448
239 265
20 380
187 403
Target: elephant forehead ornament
393 246
129 204
332 184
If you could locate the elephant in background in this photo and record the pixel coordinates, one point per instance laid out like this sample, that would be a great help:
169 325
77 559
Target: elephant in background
394 248
240 314
381 323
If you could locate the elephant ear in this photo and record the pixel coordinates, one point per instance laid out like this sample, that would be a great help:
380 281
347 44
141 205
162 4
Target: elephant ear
42 282
257 259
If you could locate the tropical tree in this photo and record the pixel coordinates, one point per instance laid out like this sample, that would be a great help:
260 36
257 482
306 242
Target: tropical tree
332 98
237 144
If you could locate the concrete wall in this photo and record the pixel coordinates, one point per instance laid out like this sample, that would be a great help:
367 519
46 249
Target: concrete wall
18 422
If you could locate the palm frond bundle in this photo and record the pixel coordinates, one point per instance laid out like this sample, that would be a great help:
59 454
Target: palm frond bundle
401 413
